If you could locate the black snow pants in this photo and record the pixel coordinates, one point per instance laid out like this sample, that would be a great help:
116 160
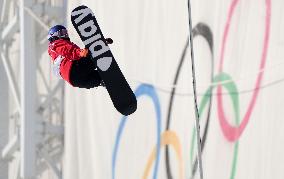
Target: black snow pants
83 74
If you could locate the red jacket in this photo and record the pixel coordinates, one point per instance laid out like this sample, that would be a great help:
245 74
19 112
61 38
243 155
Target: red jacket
63 53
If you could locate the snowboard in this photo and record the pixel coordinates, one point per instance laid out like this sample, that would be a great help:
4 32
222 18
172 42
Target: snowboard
86 25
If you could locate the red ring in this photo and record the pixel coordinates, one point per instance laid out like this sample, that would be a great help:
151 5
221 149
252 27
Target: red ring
233 133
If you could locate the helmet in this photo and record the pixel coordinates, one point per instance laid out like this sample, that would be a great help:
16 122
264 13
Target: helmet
57 32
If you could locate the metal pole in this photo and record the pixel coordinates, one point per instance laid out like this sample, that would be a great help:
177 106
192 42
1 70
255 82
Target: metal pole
28 94
195 96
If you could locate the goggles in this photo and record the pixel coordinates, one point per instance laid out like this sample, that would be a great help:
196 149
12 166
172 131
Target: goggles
60 34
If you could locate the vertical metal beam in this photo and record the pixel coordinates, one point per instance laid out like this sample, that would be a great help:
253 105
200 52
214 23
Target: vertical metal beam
28 94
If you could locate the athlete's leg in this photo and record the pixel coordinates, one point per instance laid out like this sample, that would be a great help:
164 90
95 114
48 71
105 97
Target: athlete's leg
84 75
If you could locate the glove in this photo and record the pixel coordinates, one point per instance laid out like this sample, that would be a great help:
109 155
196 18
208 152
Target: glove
109 40
84 52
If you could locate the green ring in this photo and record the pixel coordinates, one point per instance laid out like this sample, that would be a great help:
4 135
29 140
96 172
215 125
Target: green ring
234 95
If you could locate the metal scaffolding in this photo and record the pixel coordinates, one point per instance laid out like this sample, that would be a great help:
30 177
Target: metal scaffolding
36 140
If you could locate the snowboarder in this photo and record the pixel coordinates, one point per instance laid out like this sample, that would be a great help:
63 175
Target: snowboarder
70 62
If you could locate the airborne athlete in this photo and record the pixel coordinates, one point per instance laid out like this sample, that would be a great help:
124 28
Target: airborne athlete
70 62
93 65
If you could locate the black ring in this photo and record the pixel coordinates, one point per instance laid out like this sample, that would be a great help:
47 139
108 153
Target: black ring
204 31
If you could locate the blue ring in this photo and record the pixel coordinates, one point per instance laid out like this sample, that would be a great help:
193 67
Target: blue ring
148 90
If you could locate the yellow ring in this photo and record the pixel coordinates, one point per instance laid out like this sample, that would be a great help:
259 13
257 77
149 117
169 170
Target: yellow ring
168 138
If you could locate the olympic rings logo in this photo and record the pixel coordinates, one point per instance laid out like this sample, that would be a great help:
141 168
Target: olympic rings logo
231 133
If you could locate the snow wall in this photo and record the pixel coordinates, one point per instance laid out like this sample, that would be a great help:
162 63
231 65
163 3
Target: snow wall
239 51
